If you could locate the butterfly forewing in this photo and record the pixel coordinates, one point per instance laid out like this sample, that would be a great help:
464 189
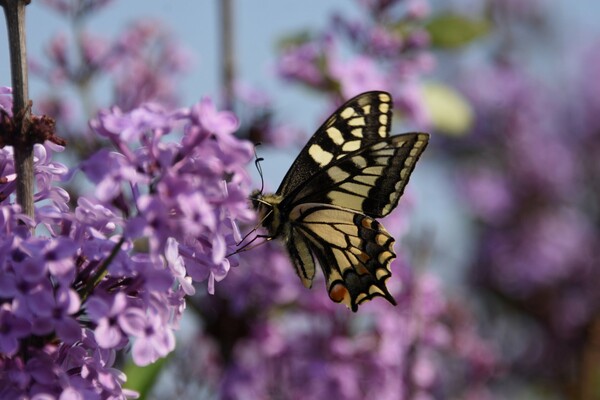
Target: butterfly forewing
360 121
354 251
369 180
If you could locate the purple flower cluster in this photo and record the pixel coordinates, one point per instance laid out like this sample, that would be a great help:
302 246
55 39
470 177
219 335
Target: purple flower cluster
142 64
528 177
291 343
537 235
113 273
383 57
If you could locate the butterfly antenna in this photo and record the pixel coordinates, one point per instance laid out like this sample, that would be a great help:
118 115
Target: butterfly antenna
254 229
247 246
259 168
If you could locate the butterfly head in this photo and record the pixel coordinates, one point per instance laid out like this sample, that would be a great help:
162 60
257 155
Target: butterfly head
267 208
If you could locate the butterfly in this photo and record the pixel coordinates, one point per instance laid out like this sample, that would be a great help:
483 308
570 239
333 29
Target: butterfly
350 173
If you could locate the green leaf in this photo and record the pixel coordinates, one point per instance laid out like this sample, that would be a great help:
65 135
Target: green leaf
453 30
142 379
294 40
449 111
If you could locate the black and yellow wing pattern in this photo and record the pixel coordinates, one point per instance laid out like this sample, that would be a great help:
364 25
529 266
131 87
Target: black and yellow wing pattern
349 173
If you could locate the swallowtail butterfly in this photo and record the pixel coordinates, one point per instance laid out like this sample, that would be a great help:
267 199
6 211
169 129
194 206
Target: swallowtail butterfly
349 173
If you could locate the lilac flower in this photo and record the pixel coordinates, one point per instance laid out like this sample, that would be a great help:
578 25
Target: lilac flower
104 310
6 99
94 218
409 99
22 278
57 53
152 341
221 123
109 170
131 126
547 259
490 193
300 63
372 39
177 266
418 9
54 313
357 76
95 50
12 328
47 171
146 57
384 42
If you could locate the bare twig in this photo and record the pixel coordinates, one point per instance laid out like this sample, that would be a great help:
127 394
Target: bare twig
14 11
227 53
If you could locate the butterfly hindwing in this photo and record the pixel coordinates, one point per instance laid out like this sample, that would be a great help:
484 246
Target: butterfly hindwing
358 122
300 252
354 251
369 180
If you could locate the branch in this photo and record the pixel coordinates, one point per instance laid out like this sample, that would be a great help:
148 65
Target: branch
14 11
227 53
102 270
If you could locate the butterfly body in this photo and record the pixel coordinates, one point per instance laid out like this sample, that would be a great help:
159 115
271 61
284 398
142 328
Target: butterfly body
348 174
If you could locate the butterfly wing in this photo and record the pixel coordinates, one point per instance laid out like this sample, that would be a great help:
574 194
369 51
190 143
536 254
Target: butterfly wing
350 172
354 251
369 180
361 120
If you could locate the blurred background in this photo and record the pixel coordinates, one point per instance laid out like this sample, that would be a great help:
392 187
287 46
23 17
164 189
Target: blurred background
498 232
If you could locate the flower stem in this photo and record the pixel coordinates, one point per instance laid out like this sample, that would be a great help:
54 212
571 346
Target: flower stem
227 53
102 270
14 11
